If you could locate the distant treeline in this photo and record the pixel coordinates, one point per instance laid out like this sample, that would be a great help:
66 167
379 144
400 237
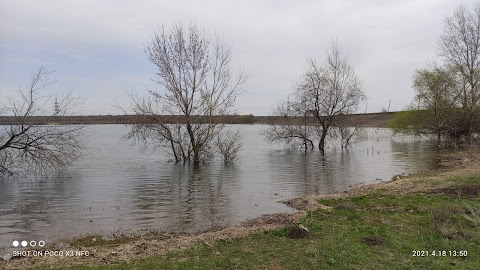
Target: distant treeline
363 120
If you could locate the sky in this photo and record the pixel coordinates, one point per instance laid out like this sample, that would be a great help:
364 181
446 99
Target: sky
96 48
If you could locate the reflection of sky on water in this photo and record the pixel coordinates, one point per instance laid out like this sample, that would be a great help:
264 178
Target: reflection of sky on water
116 188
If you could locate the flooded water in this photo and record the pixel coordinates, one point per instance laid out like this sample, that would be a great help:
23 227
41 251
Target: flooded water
115 187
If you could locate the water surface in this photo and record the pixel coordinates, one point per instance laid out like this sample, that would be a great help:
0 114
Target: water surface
116 188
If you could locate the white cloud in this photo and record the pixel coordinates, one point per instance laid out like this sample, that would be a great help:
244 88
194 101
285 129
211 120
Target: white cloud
78 57
89 41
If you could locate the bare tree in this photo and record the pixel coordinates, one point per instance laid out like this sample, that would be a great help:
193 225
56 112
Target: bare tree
31 143
447 98
196 83
345 131
293 129
228 145
459 45
324 92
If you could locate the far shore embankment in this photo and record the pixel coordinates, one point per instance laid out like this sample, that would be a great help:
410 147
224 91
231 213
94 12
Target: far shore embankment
379 120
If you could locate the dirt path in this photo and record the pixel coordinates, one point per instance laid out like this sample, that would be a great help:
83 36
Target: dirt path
465 163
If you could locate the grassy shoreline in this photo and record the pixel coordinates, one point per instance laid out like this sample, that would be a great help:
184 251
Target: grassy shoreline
371 227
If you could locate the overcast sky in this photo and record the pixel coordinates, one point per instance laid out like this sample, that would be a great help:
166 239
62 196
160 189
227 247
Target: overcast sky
96 48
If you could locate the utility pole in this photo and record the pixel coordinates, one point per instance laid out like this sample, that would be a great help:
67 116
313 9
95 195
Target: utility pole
56 107
288 106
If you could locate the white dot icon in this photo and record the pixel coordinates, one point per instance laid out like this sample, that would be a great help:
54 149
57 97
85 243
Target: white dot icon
33 243
41 243
24 243
15 243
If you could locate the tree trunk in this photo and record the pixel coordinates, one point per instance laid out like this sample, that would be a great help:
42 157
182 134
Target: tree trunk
321 144
471 127
196 153
172 146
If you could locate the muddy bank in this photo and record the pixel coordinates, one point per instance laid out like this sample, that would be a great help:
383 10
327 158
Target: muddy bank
102 251
150 243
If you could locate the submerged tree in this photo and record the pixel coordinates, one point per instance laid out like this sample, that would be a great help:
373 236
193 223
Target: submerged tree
447 101
292 130
459 46
228 145
325 92
436 107
31 143
196 83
